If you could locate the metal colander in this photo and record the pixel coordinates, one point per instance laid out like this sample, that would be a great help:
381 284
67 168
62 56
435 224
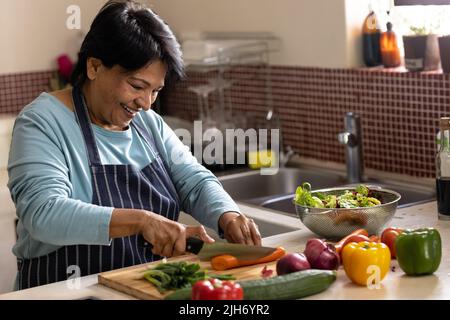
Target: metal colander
338 222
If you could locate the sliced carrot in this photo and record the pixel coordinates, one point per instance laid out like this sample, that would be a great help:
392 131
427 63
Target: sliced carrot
226 261
340 245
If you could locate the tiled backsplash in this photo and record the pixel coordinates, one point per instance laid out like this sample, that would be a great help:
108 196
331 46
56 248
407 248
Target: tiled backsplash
17 90
399 110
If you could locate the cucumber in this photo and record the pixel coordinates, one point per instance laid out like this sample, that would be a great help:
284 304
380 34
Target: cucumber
291 286
180 294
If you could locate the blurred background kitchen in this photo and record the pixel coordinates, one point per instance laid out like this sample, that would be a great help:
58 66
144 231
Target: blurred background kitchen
297 65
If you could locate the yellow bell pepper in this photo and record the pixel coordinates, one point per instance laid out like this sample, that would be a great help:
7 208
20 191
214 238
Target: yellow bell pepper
365 262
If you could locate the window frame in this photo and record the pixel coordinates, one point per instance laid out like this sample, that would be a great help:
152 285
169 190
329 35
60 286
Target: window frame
420 2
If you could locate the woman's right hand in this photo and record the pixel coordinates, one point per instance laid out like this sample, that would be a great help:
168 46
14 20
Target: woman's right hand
168 237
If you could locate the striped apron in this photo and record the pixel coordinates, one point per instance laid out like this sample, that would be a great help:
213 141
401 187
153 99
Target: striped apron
118 186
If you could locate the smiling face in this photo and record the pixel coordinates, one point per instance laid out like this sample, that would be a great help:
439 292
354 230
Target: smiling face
114 96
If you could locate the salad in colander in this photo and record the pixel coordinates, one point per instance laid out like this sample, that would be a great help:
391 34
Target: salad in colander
361 196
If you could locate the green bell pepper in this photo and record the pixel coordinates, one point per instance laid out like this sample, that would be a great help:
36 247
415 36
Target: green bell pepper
419 251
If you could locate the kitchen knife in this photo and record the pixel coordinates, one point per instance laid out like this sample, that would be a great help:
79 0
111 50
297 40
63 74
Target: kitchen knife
206 251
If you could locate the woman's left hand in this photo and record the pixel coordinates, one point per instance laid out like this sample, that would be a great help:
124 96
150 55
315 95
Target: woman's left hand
240 229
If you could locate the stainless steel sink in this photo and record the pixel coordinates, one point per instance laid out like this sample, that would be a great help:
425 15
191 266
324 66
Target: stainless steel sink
254 188
277 191
267 229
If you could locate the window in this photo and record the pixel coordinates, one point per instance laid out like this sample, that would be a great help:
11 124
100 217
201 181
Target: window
429 19
421 2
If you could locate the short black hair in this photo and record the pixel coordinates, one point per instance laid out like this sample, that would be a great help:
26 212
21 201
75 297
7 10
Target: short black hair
128 34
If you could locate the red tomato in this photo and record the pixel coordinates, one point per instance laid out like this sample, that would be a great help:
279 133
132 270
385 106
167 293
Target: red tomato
354 238
388 238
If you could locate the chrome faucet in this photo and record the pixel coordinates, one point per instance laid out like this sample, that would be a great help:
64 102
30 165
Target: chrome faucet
285 152
286 156
352 138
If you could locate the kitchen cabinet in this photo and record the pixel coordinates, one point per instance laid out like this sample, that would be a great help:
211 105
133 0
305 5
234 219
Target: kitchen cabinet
8 265
6 127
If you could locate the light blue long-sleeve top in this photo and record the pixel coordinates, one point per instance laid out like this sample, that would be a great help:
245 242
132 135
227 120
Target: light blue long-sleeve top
50 179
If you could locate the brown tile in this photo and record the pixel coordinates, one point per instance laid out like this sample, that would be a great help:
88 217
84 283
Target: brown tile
17 90
399 110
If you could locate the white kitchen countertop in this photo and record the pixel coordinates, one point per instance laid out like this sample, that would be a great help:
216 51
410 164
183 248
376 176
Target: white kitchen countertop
396 285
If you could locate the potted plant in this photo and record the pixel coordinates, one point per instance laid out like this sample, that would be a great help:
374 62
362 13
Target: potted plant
421 50
444 51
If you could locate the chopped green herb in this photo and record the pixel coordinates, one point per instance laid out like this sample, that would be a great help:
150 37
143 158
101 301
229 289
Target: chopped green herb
176 275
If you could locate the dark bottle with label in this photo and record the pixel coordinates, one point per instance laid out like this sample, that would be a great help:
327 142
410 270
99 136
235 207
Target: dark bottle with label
371 40
443 171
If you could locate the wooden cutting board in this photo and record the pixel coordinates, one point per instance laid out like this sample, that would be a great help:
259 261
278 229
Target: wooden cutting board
127 280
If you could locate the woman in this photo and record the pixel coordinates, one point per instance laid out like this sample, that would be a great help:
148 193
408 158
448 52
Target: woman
91 169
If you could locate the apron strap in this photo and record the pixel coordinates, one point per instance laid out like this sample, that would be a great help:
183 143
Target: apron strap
144 134
82 116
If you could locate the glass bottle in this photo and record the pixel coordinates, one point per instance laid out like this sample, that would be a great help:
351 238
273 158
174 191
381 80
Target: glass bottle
438 139
371 40
390 52
443 171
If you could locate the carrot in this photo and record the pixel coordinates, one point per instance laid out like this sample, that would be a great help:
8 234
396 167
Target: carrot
226 261
340 245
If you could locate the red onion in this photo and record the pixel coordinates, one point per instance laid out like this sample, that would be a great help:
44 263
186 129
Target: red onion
292 262
321 255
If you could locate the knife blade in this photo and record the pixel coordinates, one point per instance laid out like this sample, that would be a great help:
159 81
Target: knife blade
206 251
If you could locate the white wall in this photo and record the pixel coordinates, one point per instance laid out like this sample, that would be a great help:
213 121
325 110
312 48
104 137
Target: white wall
321 33
33 32
355 13
313 32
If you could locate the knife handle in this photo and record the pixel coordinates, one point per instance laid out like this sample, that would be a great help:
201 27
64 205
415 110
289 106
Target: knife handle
193 245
